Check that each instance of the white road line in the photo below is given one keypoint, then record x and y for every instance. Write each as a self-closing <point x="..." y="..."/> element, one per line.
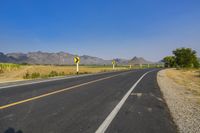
<point x="102" y="128"/>
<point x="59" y="91"/>
<point x="36" y="82"/>
<point x="49" y="80"/>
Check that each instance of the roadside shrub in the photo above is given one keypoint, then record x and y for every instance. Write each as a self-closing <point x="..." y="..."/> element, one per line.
<point x="71" y="73"/>
<point x="199" y="73"/>
<point x="53" y="73"/>
<point x="32" y="75"/>
<point x="104" y="70"/>
<point x="186" y="57"/>
<point x="61" y="74"/>
<point x="24" y="63"/>
<point x="169" y="61"/>
<point x="84" y="72"/>
<point x="44" y="76"/>
<point x="1" y="70"/>
<point x="27" y="75"/>
<point x="35" y="75"/>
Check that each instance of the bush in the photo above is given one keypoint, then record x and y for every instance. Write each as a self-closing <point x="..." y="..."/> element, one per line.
<point x="104" y="70"/>
<point x="183" y="58"/>
<point x="61" y="73"/>
<point x="44" y="76"/>
<point x="38" y="75"/>
<point x="1" y="71"/>
<point x="186" y="58"/>
<point x="35" y="75"/>
<point x="24" y="63"/>
<point x="53" y="74"/>
<point x="27" y="75"/>
<point x="169" y="61"/>
<point x="31" y="76"/>
<point x="71" y="73"/>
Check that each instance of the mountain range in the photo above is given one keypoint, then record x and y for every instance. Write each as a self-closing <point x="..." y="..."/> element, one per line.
<point x="62" y="58"/>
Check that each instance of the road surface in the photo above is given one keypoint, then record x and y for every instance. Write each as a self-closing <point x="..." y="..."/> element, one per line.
<point x="117" y="102"/>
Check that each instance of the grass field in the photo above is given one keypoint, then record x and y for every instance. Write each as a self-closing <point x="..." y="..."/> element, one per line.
<point x="189" y="78"/>
<point x="4" y="67"/>
<point x="13" y="72"/>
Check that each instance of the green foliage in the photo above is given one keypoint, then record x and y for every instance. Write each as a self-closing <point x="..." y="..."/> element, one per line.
<point x="183" y="58"/>
<point x="8" y="67"/>
<point x="53" y="73"/>
<point x="169" y="61"/>
<point x="199" y="73"/>
<point x="84" y="72"/>
<point x="61" y="74"/>
<point x="35" y="75"/>
<point x="38" y="75"/>
<point x="27" y="75"/>
<point x="24" y="63"/>
<point x="186" y="58"/>
<point x="32" y="75"/>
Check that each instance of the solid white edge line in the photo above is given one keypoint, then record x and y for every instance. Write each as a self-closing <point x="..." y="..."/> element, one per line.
<point x="102" y="128"/>
<point x="43" y="81"/>
<point x="57" y="79"/>
<point x="49" y="80"/>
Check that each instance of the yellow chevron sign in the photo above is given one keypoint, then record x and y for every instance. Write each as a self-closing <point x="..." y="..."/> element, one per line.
<point x="76" y="59"/>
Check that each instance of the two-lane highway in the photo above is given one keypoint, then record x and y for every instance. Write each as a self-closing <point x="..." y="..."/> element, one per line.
<point x="87" y="104"/>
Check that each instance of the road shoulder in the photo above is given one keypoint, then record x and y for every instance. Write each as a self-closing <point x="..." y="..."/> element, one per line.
<point x="145" y="111"/>
<point x="184" y="110"/>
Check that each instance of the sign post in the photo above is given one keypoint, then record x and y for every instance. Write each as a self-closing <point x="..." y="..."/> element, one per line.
<point x="113" y="63"/>
<point x="77" y="61"/>
<point x="140" y="65"/>
<point x="77" y="68"/>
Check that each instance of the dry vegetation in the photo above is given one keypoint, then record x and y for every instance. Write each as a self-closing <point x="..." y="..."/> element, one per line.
<point x="189" y="78"/>
<point x="180" y="89"/>
<point x="13" y="72"/>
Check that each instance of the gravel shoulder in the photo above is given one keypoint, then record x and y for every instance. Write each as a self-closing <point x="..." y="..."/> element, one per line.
<point x="184" y="110"/>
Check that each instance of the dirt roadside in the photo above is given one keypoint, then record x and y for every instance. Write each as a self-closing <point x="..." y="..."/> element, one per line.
<point x="184" y="109"/>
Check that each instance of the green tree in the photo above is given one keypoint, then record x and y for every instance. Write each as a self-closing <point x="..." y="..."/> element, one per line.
<point x="196" y="63"/>
<point x="169" y="61"/>
<point x="186" y="57"/>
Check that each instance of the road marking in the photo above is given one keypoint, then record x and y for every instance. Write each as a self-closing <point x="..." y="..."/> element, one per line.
<point x="36" y="82"/>
<point x="49" y="80"/>
<point x="58" y="91"/>
<point x="102" y="128"/>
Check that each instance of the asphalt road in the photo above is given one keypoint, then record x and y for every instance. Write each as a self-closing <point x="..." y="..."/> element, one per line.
<point x="118" y="102"/>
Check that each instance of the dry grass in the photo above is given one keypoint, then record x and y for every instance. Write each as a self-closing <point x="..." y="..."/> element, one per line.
<point x="190" y="79"/>
<point x="17" y="74"/>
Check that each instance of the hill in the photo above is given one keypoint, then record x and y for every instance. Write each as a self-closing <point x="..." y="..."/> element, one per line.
<point x="63" y="58"/>
<point x="139" y="60"/>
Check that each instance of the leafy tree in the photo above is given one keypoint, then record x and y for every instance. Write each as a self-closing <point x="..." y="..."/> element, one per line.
<point x="196" y="63"/>
<point x="169" y="61"/>
<point x="186" y="57"/>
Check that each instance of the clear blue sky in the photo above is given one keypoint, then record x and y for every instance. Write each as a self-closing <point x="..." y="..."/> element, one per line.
<point x="103" y="28"/>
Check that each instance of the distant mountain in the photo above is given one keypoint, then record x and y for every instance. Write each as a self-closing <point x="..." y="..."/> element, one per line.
<point x="121" y="61"/>
<point x="5" y="58"/>
<point x="63" y="58"/>
<point x="139" y="60"/>
<point x="60" y="58"/>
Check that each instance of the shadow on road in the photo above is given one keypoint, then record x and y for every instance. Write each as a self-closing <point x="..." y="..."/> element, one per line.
<point x="12" y="130"/>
